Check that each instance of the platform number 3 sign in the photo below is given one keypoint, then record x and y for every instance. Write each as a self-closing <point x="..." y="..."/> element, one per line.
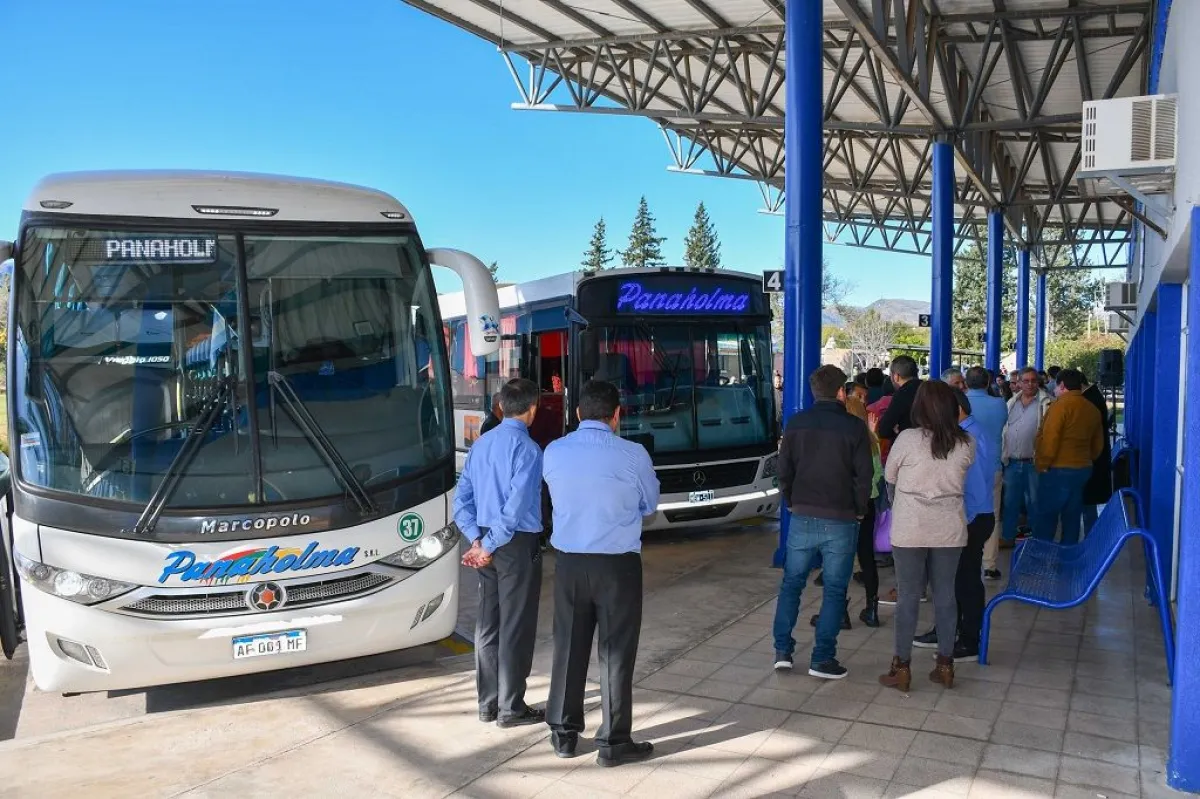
<point x="410" y="526"/>
<point x="773" y="281"/>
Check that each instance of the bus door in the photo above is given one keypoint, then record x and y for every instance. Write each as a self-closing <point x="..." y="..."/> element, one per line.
<point x="11" y="617"/>
<point x="547" y="366"/>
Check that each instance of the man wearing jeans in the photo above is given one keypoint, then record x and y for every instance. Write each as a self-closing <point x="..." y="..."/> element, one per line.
<point x="825" y="472"/>
<point x="1025" y="412"/>
<point x="1071" y="438"/>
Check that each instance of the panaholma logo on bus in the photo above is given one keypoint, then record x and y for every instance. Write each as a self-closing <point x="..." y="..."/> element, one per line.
<point x="243" y="564"/>
<point x="250" y="524"/>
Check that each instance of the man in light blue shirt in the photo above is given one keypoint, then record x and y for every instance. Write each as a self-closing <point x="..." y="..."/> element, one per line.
<point x="498" y="508"/>
<point x="992" y="415"/>
<point x="600" y="487"/>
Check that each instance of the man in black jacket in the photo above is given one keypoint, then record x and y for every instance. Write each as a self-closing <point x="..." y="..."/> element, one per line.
<point x="825" y="472"/>
<point x="898" y="417"/>
<point x="1099" y="487"/>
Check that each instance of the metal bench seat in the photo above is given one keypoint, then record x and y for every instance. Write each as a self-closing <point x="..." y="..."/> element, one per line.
<point x="1052" y="576"/>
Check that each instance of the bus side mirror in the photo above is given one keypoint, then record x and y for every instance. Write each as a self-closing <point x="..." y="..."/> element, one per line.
<point x="589" y="351"/>
<point x="6" y="251"/>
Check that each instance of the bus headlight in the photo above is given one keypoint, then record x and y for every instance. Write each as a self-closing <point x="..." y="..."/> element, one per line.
<point x="771" y="466"/>
<point x="425" y="551"/>
<point x="85" y="589"/>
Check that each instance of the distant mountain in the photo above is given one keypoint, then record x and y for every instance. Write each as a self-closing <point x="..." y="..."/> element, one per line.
<point x="905" y="311"/>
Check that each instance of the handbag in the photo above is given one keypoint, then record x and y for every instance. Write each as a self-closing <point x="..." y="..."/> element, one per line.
<point x="883" y="531"/>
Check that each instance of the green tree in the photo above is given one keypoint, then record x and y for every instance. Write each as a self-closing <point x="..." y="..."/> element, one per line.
<point x="702" y="248"/>
<point x="494" y="268"/>
<point x="645" y="245"/>
<point x="970" y="298"/>
<point x="598" y="255"/>
<point x="1071" y="297"/>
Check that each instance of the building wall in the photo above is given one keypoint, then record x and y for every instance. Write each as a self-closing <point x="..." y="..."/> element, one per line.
<point x="1177" y="75"/>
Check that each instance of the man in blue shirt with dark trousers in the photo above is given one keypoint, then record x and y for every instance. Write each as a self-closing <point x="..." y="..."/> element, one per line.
<point x="498" y="508"/>
<point x="601" y="486"/>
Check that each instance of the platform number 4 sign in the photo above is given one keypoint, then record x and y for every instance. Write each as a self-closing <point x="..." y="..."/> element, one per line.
<point x="773" y="281"/>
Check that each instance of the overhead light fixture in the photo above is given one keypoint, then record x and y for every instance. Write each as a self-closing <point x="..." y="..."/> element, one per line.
<point x="55" y="205"/>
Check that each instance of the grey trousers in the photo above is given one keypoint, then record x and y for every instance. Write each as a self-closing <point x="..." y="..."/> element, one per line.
<point x="916" y="567"/>
<point x="509" y="590"/>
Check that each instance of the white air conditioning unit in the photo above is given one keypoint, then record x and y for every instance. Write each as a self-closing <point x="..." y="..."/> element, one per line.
<point x="1129" y="140"/>
<point x="1117" y="323"/>
<point x="1121" y="296"/>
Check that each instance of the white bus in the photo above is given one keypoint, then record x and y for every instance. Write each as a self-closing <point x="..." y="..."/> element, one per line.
<point x="690" y="352"/>
<point x="231" y="429"/>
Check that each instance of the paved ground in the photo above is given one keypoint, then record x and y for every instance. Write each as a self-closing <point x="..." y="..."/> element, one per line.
<point x="1074" y="705"/>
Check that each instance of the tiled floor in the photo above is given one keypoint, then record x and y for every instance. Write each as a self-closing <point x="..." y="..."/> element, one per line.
<point x="1074" y="704"/>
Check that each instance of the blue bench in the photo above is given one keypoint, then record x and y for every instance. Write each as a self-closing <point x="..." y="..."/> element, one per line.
<point x="1052" y="576"/>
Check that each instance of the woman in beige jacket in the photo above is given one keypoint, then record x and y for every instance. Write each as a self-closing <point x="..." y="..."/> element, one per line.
<point x="927" y="467"/>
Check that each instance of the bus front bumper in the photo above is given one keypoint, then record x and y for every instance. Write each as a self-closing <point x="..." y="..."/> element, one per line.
<point x="137" y="652"/>
<point x="728" y="505"/>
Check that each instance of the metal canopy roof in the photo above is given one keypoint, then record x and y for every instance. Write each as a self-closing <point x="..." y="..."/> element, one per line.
<point x="1003" y="79"/>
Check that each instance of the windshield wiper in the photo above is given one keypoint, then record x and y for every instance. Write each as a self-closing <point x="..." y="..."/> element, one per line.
<point x="316" y="436"/>
<point x="179" y="464"/>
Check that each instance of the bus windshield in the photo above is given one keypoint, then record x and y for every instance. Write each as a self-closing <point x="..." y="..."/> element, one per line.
<point x="690" y="386"/>
<point x="291" y="367"/>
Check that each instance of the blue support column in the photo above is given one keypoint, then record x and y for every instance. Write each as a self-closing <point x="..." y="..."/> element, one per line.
<point x="943" y="258"/>
<point x="1039" y="333"/>
<point x="1023" y="309"/>
<point x="1183" y="759"/>
<point x="803" y="181"/>
<point x="1164" y="426"/>
<point x="995" y="289"/>
<point x="1148" y="381"/>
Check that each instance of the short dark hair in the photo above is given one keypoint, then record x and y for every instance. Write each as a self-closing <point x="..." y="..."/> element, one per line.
<point x="978" y="377"/>
<point x="904" y="367"/>
<point x="860" y="379"/>
<point x="826" y="382"/>
<point x="598" y="401"/>
<point x="518" y="395"/>
<point x="875" y="377"/>
<point x="1070" y="379"/>
<point x="1053" y="371"/>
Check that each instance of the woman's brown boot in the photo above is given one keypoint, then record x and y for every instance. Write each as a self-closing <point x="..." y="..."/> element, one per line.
<point x="943" y="672"/>
<point x="899" y="676"/>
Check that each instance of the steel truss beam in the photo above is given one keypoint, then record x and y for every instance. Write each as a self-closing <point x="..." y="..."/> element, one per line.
<point x="911" y="72"/>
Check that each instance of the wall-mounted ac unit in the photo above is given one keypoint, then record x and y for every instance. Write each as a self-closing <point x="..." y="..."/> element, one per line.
<point x="1129" y="140"/>
<point x="1121" y="297"/>
<point x="1117" y="323"/>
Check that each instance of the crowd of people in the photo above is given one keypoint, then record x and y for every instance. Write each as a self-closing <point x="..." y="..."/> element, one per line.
<point x="942" y="472"/>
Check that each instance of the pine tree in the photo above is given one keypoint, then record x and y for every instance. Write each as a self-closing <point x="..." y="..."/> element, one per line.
<point x="598" y="256"/>
<point x="494" y="268"/>
<point x="645" y="248"/>
<point x="702" y="248"/>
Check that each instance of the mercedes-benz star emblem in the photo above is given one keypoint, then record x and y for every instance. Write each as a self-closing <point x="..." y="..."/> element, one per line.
<point x="699" y="478"/>
<point x="266" y="597"/>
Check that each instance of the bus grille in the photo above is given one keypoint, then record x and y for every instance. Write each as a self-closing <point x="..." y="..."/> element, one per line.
<point x="226" y="603"/>
<point x="703" y="478"/>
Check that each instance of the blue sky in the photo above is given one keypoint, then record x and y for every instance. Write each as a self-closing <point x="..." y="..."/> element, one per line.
<point x="371" y="92"/>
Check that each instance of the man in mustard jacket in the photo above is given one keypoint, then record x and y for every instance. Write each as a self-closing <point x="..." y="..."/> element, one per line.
<point x="1070" y="439"/>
